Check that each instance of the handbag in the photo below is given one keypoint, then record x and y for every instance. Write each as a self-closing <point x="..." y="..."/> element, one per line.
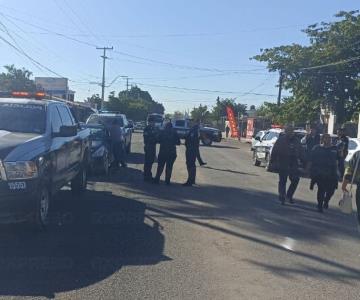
<point x="345" y="202"/>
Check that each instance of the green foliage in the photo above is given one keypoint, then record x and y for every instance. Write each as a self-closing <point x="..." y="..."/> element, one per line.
<point x="219" y="110"/>
<point x="135" y="103"/>
<point x="95" y="101"/>
<point x="16" y="80"/>
<point x="333" y="84"/>
<point x="201" y="113"/>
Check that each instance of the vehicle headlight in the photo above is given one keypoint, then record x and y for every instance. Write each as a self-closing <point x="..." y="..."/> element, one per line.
<point x="99" y="152"/>
<point x="21" y="170"/>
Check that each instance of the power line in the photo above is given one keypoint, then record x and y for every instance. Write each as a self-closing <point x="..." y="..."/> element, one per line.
<point x="332" y="64"/>
<point x="205" y="90"/>
<point x="37" y="43"/>
<point x="32" y="59"/>
<point x="173" y="65"/>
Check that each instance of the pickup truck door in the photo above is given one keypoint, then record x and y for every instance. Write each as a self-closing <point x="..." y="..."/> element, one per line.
<point x="58" y="149"/>
<point x="74" y="143"/>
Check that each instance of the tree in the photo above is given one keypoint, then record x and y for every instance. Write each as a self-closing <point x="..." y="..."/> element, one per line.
<point x="95" y="101"/>
<point x="136" y="104"/>
<point x="200" y="113"/>
<point x="16" y="80"/>
<point x="219" y="110"/>
<point x="323" y="73"/>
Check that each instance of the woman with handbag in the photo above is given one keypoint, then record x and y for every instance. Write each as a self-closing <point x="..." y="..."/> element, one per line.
<point x="351" y="176"/>
<point x="323" y="171"/>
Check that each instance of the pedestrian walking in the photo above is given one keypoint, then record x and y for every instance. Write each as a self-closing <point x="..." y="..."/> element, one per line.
<point x="118" y="144"/>
<point x="150" y="139"/>
<point x="168" y="140"/>
<point x="227" y="131"/>
<point x="323" y="171"/>
<point x="192" y="149"/>
<point x="352" y="173"/>
<point x="343" y="150"/>
<point x="286" y="156"/>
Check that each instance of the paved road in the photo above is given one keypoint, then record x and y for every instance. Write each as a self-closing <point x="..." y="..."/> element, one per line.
<point x="227" y="238"/>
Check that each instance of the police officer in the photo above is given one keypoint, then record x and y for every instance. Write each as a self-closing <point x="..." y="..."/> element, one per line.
<point x="285" y="157"/>
<point x="343" y="150"/>
<point x="168" y="139"/>
<point x="150" y="139"/>
<point x="192" y="150"/>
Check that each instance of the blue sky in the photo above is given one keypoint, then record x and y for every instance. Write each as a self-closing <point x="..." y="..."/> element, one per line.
<point x="162" y="45"/>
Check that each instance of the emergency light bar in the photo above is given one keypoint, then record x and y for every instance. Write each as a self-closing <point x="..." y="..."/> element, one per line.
<point x="22" y="94"/>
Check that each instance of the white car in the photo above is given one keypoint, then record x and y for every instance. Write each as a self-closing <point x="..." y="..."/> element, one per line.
<point x="262" y="148"/>
<point x="257" y="138"/>
<point x="354" y="146"/>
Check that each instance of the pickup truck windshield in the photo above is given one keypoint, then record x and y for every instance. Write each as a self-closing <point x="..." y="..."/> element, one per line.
<point x="105" y="120"/>
<point x="180" y="123"/>
<point x="26" y="118"/>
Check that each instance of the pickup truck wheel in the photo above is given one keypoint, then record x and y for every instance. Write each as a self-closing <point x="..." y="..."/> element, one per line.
<point x="79" y="183"/>
<point x="206" y="141"/>
<point x="42" y="209"/>
<point x="256" y="162"/>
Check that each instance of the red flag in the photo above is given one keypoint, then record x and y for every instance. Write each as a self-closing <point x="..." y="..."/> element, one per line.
<point x="232" y="121"/>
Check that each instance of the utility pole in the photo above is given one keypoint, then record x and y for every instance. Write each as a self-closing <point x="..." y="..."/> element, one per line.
<point x="104" y="57"/>
<point x="280" y="87"/>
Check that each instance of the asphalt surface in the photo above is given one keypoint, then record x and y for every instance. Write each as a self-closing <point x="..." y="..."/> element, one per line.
<point x="226" y="238"/>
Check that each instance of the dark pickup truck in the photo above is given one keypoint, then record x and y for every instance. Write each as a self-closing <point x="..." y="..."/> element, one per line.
<point x="42" y="148"/>
<point x="208" y="135"/>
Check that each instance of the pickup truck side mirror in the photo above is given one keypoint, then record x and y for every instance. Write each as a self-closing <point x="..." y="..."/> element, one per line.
<point x="66" y="131"/>
<point x="257" y="138"/>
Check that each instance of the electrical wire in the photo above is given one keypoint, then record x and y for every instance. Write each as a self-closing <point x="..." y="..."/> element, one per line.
<point x="204" y="90"/>
<point x="332" y="64"/>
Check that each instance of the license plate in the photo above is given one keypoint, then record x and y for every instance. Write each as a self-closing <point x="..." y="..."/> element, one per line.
<point x="261" y="155"/>
<point x="17" y="186"/>
<point x="181" y="132"/>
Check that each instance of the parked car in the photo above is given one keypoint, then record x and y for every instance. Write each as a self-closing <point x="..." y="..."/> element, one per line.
<point x="208" y="135"/>
<point x="139" y="125"/>
<point x="101" y="152"/>
<point x="42" y="148"/>
<point x="107" y="119"/>
<point x="158" y="119"/>
<point x="256" y="138"/>
<point x="262" y="150"/>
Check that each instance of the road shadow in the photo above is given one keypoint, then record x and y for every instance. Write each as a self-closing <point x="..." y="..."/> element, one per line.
<point x="135" y="158"/>
<point x="253" y="215"/>
<point x="220" y="146"/>
<point x="88" y="240"/>
<point x="229" y="171"/>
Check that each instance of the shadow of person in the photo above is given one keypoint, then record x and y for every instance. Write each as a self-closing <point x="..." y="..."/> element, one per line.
<point x="87" y="241"/>
<point x="135" y="158"/>
<point x="221" y="146"/>
<point x="229" y="171"/>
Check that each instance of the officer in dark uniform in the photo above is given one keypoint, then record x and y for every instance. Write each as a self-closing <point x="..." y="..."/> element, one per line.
<point x="150" y="139"/>
<point x="168" y="140"/>
<point x="192" y="150"/>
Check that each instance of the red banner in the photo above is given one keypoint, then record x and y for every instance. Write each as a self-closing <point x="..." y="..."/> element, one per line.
<point x="232" y="122"/>
<point x="250" y="128"/>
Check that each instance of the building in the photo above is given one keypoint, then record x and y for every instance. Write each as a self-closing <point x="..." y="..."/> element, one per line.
<point x="55" y="87"/>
